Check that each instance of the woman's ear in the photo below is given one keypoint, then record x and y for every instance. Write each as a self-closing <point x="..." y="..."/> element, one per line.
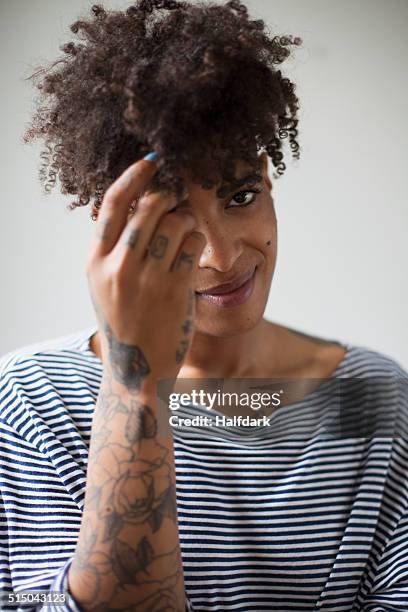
<point x="264" y="168"/>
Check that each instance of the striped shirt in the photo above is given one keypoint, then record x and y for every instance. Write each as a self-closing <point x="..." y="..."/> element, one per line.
<point x="269" y="518"/>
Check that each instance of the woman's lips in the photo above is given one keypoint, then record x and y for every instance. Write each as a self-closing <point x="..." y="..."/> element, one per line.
<point x="233" y="298"/>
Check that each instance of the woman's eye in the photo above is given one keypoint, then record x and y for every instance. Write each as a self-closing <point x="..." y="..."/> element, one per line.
<point x="245" y="198"/>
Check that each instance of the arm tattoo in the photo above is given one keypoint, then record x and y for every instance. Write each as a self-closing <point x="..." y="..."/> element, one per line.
<point x="130" y="504"/>
<point x="128" y="362"/>
<point x="187" y="328"/>
<point x="182" y="350"/>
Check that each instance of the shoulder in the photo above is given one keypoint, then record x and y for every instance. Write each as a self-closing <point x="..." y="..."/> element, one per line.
<point x="34" y="380"/>
<point x="51" y="347"/>
<point x="350" y="359"/>
<point x="27" y="370"/>
<point x="323" y="357"/>
<point x="362" y="361"/>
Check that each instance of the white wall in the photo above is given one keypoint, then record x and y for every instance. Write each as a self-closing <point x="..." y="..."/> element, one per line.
<point x="342" y="214"/>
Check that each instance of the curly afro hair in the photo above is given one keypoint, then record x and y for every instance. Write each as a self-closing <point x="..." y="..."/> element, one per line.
<point x="195" y="82"/>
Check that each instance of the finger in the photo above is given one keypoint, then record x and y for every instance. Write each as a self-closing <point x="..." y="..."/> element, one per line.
<point x="140" y="228"/>
<point x="113" y="213"/>
<point x="166" y="241"/>
<point x="187" y="258"/>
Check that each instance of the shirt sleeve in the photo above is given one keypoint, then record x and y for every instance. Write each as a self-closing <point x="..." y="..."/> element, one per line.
<point x="189" y="605"/>
<point x="61" y="584"/>
<point x="58" y="586"/>
<point x="388" y="590"/>
<point x="55" y="584"/>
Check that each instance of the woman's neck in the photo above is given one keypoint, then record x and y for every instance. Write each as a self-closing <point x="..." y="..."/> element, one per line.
<point x="232" y="357"/>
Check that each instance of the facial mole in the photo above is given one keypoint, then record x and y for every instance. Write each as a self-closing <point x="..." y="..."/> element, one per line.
<point x="269" y="243"/>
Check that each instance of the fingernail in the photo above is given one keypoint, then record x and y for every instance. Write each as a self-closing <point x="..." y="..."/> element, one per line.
<point x="151" y="156"/>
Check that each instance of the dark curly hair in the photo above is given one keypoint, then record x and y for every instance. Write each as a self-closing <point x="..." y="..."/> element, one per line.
<point x="194" y="82"/>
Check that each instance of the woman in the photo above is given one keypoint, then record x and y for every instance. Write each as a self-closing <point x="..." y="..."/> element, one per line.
<point x="108" y="503"/>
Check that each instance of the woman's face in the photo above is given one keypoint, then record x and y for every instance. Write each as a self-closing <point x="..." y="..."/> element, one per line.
<point x="240" y="229"/>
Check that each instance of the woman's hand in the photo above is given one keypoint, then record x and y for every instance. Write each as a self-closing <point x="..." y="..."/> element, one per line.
<point x="140" y="274"/>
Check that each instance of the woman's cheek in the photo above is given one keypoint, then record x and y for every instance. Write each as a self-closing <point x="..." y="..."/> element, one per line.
<point x="267" y="227"/>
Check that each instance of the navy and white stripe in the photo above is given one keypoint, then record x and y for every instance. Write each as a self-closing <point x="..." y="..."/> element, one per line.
<point x="269" y="518"/>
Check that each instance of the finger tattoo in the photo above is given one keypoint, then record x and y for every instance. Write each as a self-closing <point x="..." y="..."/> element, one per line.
<point x="187" y="258"/>
<point x="103" y="232"/>
<point x="159" y="246"/>
<point x="132" y="237"/>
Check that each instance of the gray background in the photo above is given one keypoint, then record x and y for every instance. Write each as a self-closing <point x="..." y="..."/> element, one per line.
<point x="342" y="216"/>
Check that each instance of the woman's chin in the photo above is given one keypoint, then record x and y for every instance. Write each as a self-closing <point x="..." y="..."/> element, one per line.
<point x="226" y="324"/>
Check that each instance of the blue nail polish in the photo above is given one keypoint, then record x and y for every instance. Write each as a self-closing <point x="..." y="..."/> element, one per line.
<point x="151" y="156"/>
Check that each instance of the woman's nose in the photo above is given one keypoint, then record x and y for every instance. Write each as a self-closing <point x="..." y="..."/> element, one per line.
<point x="221" y="249"/>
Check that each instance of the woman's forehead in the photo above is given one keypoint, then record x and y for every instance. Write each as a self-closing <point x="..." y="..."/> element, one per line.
<point x="244" y="173"/>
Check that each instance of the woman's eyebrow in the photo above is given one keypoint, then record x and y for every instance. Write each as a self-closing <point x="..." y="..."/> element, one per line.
<point x="224" y="190"/>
